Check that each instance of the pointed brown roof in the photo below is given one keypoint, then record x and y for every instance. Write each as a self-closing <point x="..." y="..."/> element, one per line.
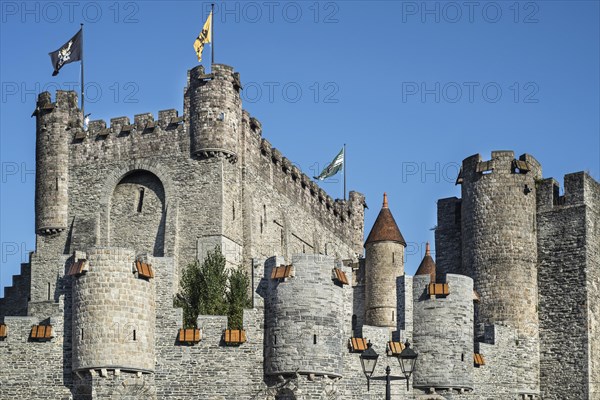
<point x="385" y="228"/>
<point x="427" y="266"/>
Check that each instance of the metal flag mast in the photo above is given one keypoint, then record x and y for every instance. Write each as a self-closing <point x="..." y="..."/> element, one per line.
<point x="344" y="163"/>
<point x="212" y="34"/>
<point x="82" y="91"/>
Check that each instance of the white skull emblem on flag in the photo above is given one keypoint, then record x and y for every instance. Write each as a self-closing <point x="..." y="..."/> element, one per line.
<point x="64" y="54"/>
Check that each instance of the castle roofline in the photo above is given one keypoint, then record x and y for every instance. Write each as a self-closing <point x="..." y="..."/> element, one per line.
<point x="427" y="266"/>
<point x="385" y="227"/>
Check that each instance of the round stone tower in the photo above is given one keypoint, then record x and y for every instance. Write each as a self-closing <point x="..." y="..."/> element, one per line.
<point x="384" y="262"/>
<point x="53" y="133"/>
<point x="214" y="109"/>
<point x="303" y="322"/>
<point x="443" y="335"/>
<point x="113" y="314"/>
<point x="499" y="239"/>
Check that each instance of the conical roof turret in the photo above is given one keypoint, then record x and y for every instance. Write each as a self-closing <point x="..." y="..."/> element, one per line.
<point x="385" y="227"/>
<point x="427" y="266"/>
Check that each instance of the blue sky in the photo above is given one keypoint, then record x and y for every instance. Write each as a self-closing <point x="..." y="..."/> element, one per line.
<point x="412" y="88"/>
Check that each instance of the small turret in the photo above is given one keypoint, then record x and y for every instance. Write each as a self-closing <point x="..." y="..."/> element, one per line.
<point x="384" y="262"/>
<point x="214" y="112"/>
<point x="427" y="266"/>
<point x="54" y="124"/>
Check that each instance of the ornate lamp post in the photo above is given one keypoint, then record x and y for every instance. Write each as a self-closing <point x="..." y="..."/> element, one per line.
<point x="407" y="360"/>
<point x="368" y="359"/>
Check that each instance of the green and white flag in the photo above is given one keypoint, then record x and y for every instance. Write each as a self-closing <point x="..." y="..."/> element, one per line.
<point x="333" y="168"/>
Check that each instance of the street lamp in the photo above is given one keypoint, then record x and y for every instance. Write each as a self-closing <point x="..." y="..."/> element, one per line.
<point x="368" y="359"/>
<point x="407" y="360"/>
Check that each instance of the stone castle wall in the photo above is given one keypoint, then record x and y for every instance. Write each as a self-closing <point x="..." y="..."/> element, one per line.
<point x="568" y="232"/>
<point x="35" y="370"/>
<point x="16" y="296"/>
<point x="505" y="352"/>
<point x="448" y="239"/>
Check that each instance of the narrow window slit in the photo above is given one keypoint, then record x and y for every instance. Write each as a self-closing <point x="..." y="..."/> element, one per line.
<point x="140" y="200"/>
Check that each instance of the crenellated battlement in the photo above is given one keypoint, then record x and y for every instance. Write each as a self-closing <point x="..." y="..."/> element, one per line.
<point x="66" y="99"/>
<point x="340" y="209"/>
<point x="63" y="111"/>
<point x="145" y="123"/>
<point x="579" y="189"/>
<point x="501" y="162"/>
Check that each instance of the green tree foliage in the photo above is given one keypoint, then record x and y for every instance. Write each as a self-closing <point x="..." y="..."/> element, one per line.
<point x="189" y="296"/>
<point x="213" y="284"/>
<point x="237" y="298"/>
<point x="207" y="289"/>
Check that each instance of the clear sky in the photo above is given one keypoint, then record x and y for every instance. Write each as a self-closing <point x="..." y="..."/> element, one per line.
<point x="412" y="88"/>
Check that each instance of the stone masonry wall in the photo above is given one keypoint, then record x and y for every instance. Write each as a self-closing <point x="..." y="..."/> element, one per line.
<point x="505" y="352"/>
<point x="592" y="189"/>
<point x="443" y="335"/>
<point x="404" y="289"/>
<point x="448" y="242"/>
<point x="16" y="296"/>
<point x="138" y="205"/>
<point x="34" y="370"/>
<point x="569" y="284"/>
<point x="113" y="314"/>
<point x="207" y="370"/>
<point x="303" y="324"/>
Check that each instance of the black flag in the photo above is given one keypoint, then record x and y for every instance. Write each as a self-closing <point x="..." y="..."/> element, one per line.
<point x="69" y="52"/>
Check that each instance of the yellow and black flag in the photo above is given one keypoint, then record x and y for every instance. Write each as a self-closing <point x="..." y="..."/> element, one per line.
<point x="204" y="37"/>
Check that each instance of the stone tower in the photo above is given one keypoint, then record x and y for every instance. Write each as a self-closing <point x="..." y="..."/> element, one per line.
<point x="304" y="328"/>
<point x="499" y="237"/>
<point x="384" y="262"/>
<point x="443" y="336"/>
<point x="113" y="320"/>
<point x="53" y="131"/>
<point x="214" y="106"/>
<point x="499" y="242"/>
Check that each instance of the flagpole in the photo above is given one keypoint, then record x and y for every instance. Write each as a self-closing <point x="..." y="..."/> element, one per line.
<point x="212" y="34"/>
<point x="82" y="92"/>
<point x="344" y="171"/>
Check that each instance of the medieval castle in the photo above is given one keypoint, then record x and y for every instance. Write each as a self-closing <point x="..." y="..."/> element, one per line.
<point x="510" y="309"/>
